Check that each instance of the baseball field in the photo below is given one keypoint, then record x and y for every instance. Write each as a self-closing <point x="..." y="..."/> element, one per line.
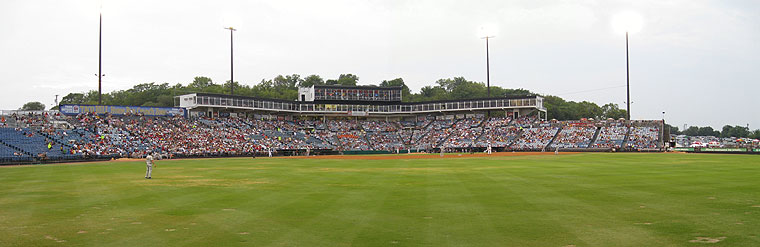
<point x="585" y="199"/>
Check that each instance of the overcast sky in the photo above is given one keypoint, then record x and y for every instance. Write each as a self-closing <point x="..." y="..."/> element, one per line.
<point x="696" y="60"/>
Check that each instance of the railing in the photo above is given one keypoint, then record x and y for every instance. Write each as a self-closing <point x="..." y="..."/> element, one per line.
<point x="299" y="107"/>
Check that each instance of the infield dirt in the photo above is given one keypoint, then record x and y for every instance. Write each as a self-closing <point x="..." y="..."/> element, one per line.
<point x="422" y="156"/>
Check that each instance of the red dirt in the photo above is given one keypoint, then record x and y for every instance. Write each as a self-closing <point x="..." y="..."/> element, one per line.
<point x="353" y="157"/>
<point x="421" y="156"/>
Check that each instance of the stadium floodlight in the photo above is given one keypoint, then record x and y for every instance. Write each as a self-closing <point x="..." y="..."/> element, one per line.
<point x="486" y="32"/>
<point x="230" y="23"/>
<point x="232" y="67"/>
<point x="100" y="57"/>
<point x="628" y="22"/>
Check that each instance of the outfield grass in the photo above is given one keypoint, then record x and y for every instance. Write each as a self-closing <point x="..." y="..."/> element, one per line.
<point x="591" y="199"/>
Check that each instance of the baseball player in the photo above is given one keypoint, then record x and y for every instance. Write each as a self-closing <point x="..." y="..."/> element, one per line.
<point x="149" y="162"/>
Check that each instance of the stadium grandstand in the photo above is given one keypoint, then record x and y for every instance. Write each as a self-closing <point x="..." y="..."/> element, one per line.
<point x="323" y="120"/>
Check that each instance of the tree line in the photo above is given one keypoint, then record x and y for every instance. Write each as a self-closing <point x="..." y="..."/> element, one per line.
<point x="286" y="87"/>
<point x="727" y="131"/>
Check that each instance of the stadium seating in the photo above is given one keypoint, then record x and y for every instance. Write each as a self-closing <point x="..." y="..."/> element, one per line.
<point x="89" y="135"/>
<point x="464" y="133"/>
<point x="574" y="137"/>
<point x="643" y="138"/>
<point x="611" y="137"/>
<point x="33" y="144"/>
<point x="535" y="138"/>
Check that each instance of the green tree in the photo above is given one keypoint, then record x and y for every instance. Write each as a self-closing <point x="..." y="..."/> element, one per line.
<point x="200" y="83"/>
<point x="557" y="108"/>
<point x="585" y="109"/>
<point x="91" y="98"/>
<point x="707" y="131"/>
<point x="288" y="81"/>
<point x="755" y="134"/>
<point x="735" y="131"/>
<point x="461" y="88"/>
<point x="468" y="89"/>
<point x="691" y="131"/>
<point x="33" y="106"/>
<point x="228" y="86"/>
<point x="311" y="80"/>
<point x="498" y="91"/>
<point x="265" y="89"/>
<point x="348" y="80"/>
<point x="673" y="129"/>
<point x="611" y="110"/>
<point x="450" y="84"/>
<point x="73" y="98"/>
<point x="428" y="93"/>
<point x="165" y="100"/>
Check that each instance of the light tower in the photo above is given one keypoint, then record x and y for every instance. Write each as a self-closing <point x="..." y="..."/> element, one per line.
<point x="487" y="32"/>
<point x="628" y="22"/>
<point x="232" y="67"/>
<point x="100" y="58"/>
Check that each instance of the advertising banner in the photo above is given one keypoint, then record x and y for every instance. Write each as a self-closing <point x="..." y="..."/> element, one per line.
<point x="684" y="149"/>
<point x="724" y="150"/>
<point x="122" y="110"/>
<point x="357" y="113"/>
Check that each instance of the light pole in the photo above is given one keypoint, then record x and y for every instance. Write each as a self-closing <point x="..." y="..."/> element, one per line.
<point x="488" y="68"/>
<point x="100" y="59"/>
<point x="487" y="32"/>
<point x="627" y="80"/>
<point x="232" y="70"/>
<point x="628" y="22"/>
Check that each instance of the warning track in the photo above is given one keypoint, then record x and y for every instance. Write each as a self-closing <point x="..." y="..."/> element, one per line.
<point x="422" y="156"/>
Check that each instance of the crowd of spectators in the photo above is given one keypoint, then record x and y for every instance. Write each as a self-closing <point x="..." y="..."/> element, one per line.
<point x="133" y="135"/>
<point x="497" y="122"/>
<point x="497" y="136"/>
<point x="643" y="138"/>
<point x="343" y="125"/>
<point x="611" y="137"/>
<point x="496" y="132"/>
<point x="574" y="136"/>
<point x="463" y="133"/>
<point x="535" y="138"/>
<point x="435" y="133"/>
<point x="375" y="126"/>
<point x="386" y="141"/>
<point x="522" y="121"/>
<point x="31" y="120"/>
<point x="353" y="140"/>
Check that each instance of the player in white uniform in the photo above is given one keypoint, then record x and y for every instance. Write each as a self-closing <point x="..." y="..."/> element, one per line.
<point x="149" y="162"/>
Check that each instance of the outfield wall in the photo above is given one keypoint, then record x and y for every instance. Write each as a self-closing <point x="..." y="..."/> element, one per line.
<point x="719" y="150"/>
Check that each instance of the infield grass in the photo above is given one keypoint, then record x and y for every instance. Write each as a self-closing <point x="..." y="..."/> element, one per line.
<point x="590" y="199"/>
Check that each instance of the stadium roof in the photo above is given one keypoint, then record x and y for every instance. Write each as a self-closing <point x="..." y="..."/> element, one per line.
<point x="367" y="87"/>
<point x="362" y="102"/>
